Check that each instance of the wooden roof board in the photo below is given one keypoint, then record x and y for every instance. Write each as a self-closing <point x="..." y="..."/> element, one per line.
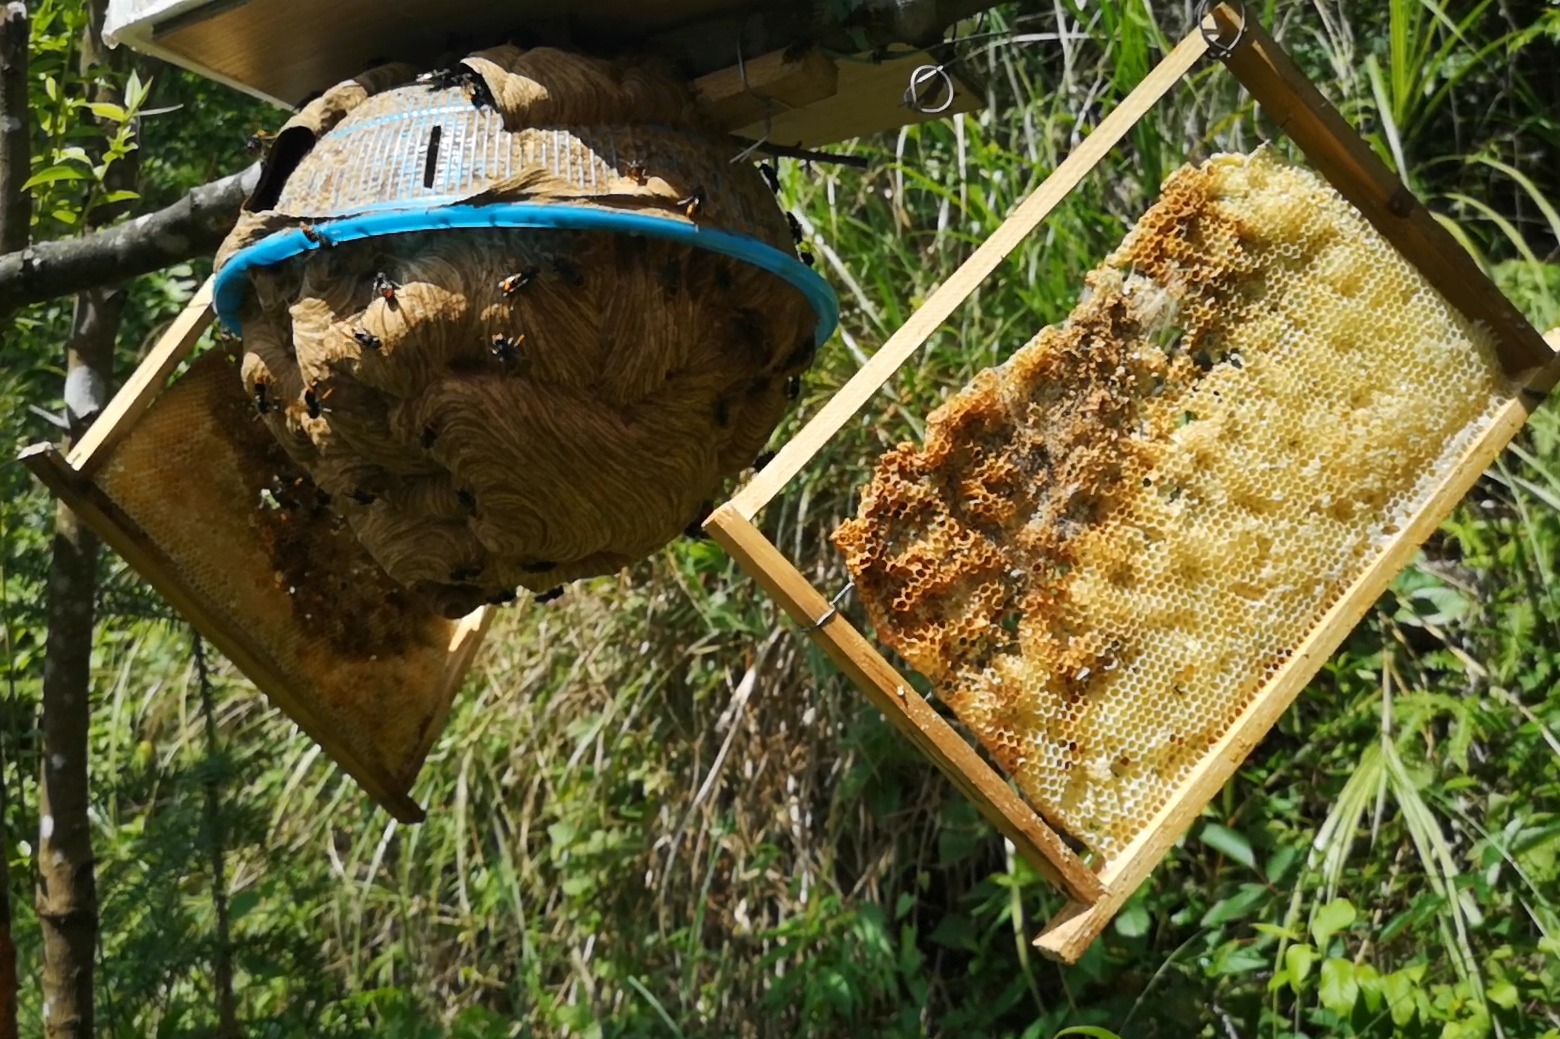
<point x="284" y="51"/>
<point x="288" y="49"/>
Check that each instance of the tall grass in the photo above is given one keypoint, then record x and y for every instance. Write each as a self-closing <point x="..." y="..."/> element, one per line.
<point x="658" y="811"/>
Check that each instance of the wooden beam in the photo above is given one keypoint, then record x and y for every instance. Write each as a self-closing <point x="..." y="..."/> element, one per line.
<point x="468" y="636"/>
<point x="1040" y="846"/>
<point x="143" y="386"/>
<point x="124" y="536"/>
<point x="771" y="83"/>
<point x="1070" y="932"/>
<point x="1347" y="161"/>
<point x="869" y="100"/>
<point x="800" y="449"/>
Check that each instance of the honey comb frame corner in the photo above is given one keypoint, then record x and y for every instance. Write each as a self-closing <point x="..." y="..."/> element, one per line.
<point x="1095" y="894"/>
<point x="74" y="480"/>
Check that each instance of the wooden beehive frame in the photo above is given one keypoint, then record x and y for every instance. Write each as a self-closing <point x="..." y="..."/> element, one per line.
<point x="1337" y="152"/>
<point x="71" y="479"/>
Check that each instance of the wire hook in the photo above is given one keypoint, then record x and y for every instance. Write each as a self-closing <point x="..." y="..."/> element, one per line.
<point x="923" y="75"/>
<point x="834" y="607"/>
<point x="767" y="102"/>
<point x="1216" y="46"/>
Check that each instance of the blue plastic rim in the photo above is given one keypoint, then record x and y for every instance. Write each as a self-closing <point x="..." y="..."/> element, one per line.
<point x="232" y="284"/>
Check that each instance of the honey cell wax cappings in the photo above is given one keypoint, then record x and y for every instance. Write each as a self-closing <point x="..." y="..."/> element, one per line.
<point x="1108" y="545"/>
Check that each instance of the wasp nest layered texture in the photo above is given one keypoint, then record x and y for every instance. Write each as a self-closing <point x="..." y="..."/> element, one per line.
<point x="492" y="408"/>
<point x="1108" y="545"/>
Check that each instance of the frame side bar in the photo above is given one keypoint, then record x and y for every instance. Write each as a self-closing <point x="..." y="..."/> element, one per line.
<point x="147" y="381"/>
<point x="124" y="536"/>
<point x="1267" y="72"/>
<point x="1077" y="925"/>
<point x="1040" y="846"/>
<point x="881" y="366"/>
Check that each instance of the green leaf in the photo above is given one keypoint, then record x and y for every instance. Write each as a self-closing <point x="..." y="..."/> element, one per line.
<point x="1503" y="994"/>
<point x="1331" y="918"/>
<point x="118" y="196"/>
<point x="1399" y="989"/>
<point x="53" y="174"/>
<point x="1236" y="906"/>
<point x="1298" y="960"/>
<point x="243" y="904"/>
<point x="1275" y="931"/>
<point x="109" y="111"/>
<point x="1280" y="863"/>
<point x="956" y="932"/>
<point x="1133" y="921"/>
<point x="1235" y="958"/>
<point x="1339" y="989"/>
<point x="1369" y="981"/>
<point x="1087" y="1032"/>
<point x="1230" y="844"/>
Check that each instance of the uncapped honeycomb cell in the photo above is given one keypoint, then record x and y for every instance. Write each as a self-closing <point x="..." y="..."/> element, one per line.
<point x="1108" y="545"/>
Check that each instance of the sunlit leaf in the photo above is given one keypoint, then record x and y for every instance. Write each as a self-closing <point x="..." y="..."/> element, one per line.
<point x="1338" y="989"/>
<point x="1331" y="918"/>
<point x="52" y="175"/>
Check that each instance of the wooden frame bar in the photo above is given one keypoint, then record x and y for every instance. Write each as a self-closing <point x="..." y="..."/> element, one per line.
<point x="71" y="481"/>
<point x="145" y="383"/>
<point x="881" y="366"/>
<point x="1339" y="154"/>
<point x="1071" y="931"/>
<point x="905" y="708"/>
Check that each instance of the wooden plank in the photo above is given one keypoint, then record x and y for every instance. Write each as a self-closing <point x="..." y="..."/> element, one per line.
<point x="124" y="536"/>
<point x="929" y="318"/>
<point x="257" y="45"/>
<point x="143" y="386"/>
<point x="1070" y="932"/>
<point x="869" y="100"/>
<point x="771" y="83"/>
<point x="904" y="707"/>
<point x="1343" y="157"/>
<point x="465" y="640"/>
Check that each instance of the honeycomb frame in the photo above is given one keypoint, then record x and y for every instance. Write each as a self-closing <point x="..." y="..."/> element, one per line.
<point x="312" y="696"/>
<point x="1097" y="890"/>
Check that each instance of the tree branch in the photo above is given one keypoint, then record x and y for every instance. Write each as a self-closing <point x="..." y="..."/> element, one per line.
<point x="193" y="226"/>
<point x="15" y="129"/>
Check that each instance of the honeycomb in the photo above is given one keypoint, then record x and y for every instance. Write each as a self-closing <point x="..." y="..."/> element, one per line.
<point x="1108" y="545"/>
<point x="253" y="538"/>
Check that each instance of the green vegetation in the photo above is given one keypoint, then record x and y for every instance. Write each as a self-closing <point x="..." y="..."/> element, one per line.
<point x="658" y="811"/>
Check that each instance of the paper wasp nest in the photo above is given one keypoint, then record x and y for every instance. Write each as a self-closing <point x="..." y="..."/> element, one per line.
<point x="1109" y="544"/>
<point x="493" y="407"/>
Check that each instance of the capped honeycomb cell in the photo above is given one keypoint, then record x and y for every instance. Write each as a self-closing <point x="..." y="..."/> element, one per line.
<point x="365" y="667"/>
<point x="1107" y="546"/>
